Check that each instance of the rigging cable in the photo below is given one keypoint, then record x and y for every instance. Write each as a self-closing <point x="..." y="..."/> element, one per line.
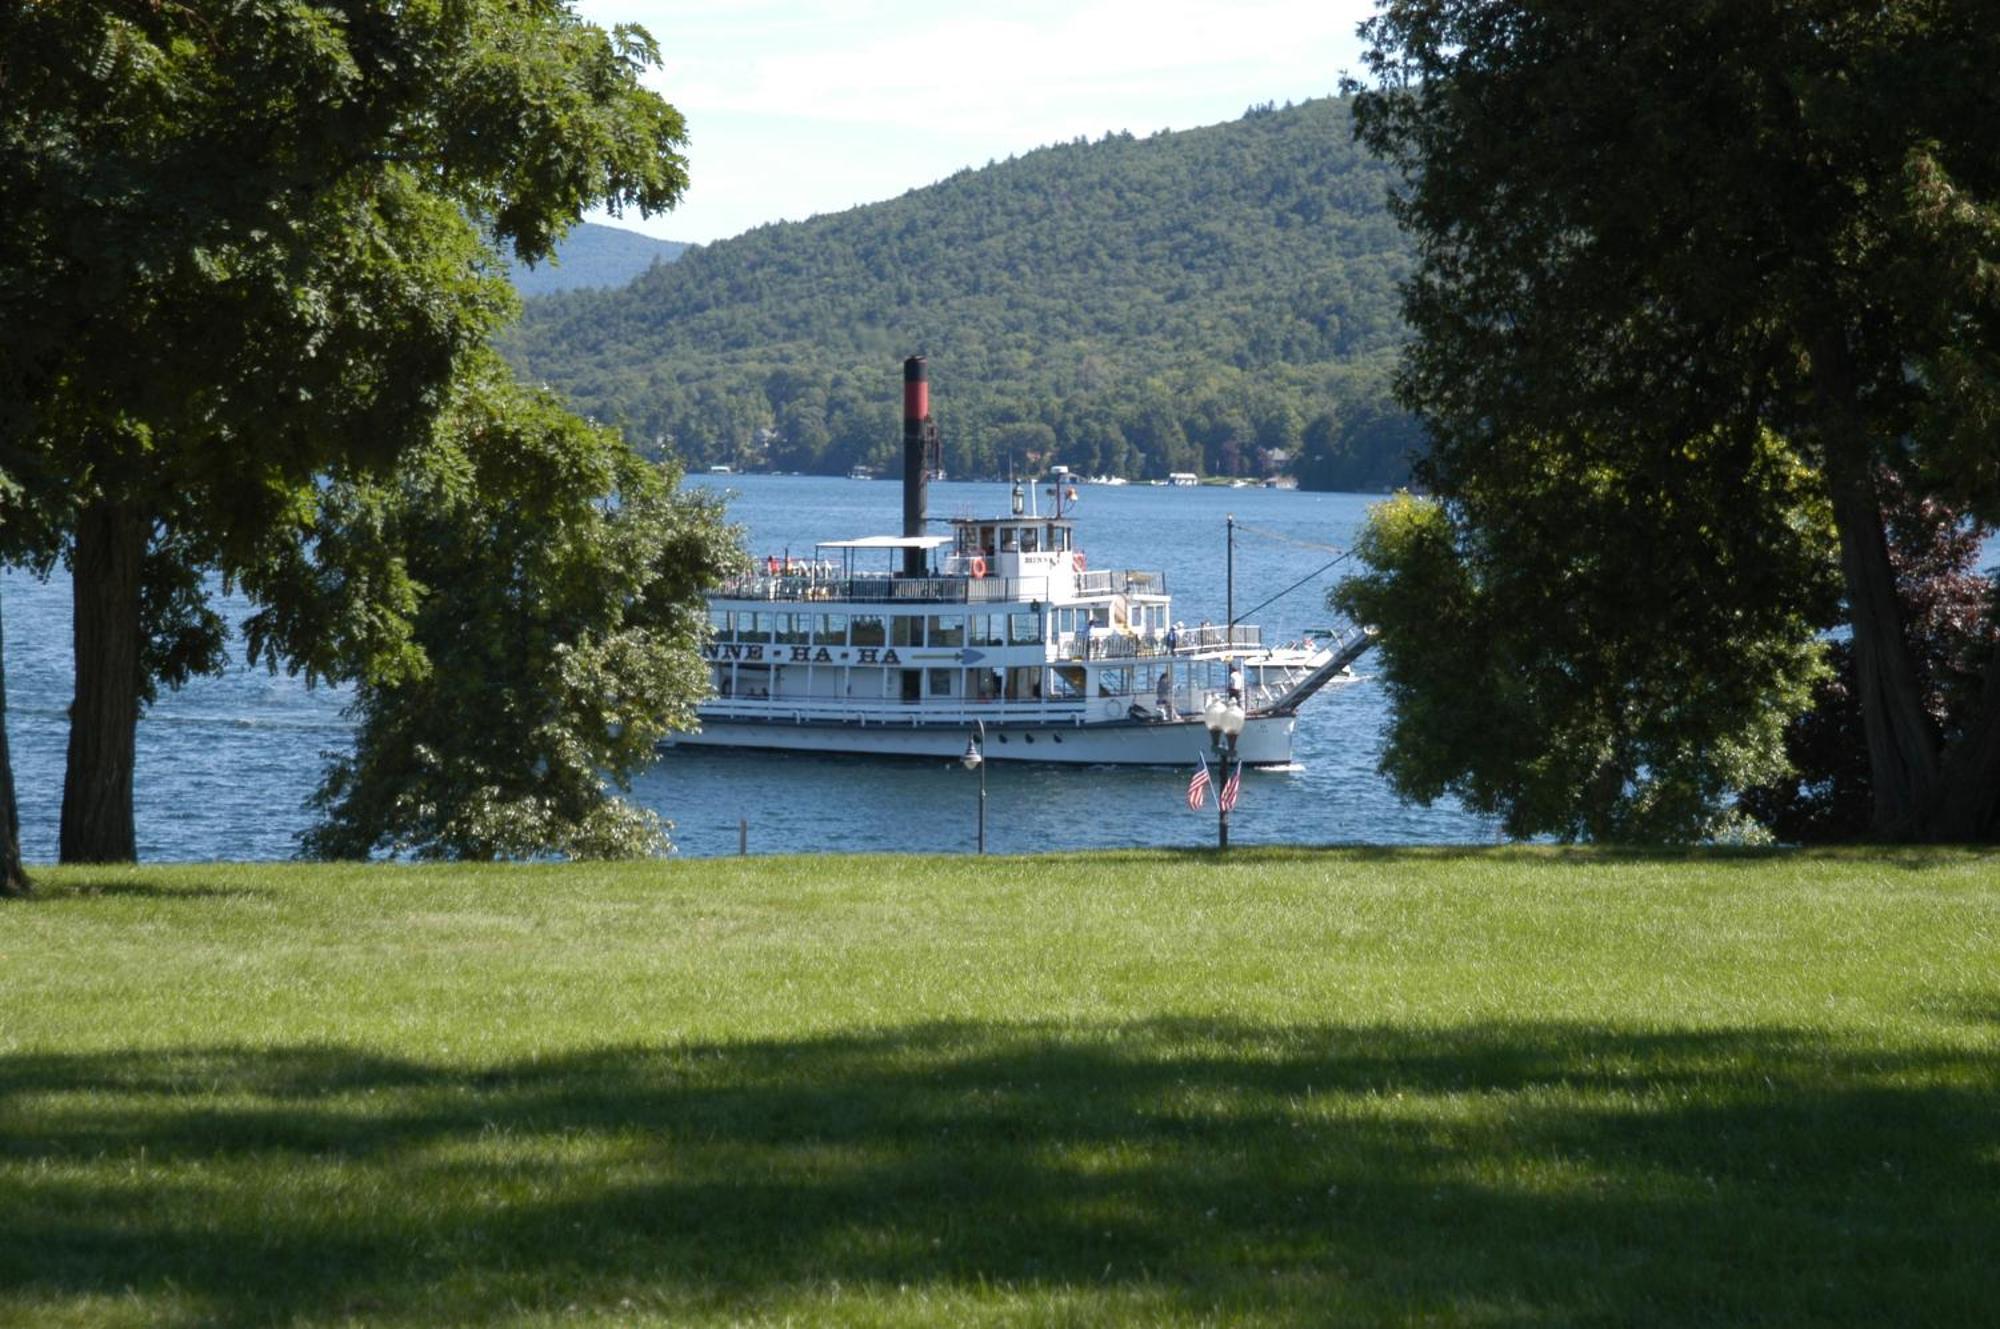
<point x="1289" y="539"/>
<point x="1344" y="554"/>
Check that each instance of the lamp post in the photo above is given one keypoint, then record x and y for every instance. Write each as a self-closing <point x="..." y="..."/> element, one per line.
<point x="1224" y="718"/>
<point x="975" y="760"/>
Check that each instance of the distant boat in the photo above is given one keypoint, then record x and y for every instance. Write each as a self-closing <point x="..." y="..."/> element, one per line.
<point x="861" y="473"/>
<point x="1183" y="479"/>
<point x="1107" y="480"/>
<point x="720" y="470"/>
<point x="997" y="641"/>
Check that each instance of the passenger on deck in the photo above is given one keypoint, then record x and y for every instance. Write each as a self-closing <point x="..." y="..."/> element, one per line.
<point x="1163" y="695"/>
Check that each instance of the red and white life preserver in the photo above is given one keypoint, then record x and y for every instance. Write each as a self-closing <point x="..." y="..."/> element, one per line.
<point x="977" y="567"/>
<point x="1076" y="560"/>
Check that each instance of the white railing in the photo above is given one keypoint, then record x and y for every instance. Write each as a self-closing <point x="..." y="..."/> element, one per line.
<point x="889" y="712"/>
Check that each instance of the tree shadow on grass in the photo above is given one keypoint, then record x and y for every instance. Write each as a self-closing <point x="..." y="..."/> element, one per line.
<point x="1903" y="858"/>
<point x="115" y="888"/>
<point x="1519" y="1173"/>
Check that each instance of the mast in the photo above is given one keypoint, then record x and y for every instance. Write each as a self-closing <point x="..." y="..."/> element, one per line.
<point x="1229" y="579"/>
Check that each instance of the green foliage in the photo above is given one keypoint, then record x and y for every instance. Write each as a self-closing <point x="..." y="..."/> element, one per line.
<point x="1553" y="639"/>
<point x="1188" y="301"/>
<point x="249" y="245"/>
<point x="1645" y="228"/>
<point x="258" y="224"/>
<point x="558" y="630"/>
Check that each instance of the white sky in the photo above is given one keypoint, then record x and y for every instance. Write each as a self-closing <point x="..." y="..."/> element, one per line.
<point x="796" y="108"/>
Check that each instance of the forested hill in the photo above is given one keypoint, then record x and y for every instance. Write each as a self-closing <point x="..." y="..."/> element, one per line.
<point x="1201" y="301"/>
<point x="593" y="255"/>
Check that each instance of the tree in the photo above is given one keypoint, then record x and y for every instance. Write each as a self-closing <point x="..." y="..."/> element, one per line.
<point x="1688" y="223"/>
<point x="247" y="243"/>
<point x="559" y="638"/>
<point x="13" y="876"/>
<point x="1935" y="552"/>
<point x="1550" y="641"/>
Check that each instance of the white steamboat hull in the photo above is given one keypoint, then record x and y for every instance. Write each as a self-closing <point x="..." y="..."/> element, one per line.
<point x="1266" y="740"/>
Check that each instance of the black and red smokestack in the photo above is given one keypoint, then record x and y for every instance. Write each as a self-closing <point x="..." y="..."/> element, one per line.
<point x="916" y="469"/>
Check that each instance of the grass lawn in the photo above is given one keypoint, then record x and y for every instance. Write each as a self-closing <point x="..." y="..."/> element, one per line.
<point x="1486" y="1087"/>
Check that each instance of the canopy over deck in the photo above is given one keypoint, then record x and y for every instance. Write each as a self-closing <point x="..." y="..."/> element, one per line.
<point x="888" y="542"/>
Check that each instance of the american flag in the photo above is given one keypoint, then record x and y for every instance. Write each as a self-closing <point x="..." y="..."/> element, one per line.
<point x="1198" y="786"/>
<point x="1226" y="800"/>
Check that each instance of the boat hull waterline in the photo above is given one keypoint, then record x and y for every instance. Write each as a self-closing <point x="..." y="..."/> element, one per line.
<point x="1265" y="741"/>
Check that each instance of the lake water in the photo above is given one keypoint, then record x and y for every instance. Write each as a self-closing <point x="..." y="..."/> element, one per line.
<point x="225" y="764"/>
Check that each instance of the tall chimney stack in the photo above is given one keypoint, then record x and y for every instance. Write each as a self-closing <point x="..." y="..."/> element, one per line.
<point x="916" y="414"/>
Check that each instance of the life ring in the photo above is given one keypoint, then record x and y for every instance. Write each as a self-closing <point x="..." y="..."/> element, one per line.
<point x="977" y="566"/>
<point x="1076" y="560"/>
<point x="1112" y="710"/>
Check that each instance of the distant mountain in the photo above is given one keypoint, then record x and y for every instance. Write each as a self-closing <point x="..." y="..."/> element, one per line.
<point x="1222" y="300"/>
<point x="595" y="256"/>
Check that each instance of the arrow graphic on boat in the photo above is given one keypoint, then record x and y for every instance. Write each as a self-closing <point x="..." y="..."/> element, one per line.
<point x="970" y="656"/>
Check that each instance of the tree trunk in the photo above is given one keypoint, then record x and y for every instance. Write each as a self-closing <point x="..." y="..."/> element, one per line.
<point x="1902" y="739"/>
<point x="13" y="877"/>
<point x="104" y="718"/>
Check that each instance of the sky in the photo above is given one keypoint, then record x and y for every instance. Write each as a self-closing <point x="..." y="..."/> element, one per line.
<point x="795" y="108"/>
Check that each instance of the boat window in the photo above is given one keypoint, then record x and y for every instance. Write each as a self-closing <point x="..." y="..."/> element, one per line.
<point x="906" y="630"/>
<point x="794" y="628"/>
<point x="1114" y="682"/>
<point x="1068" y="680"/>
<point x="1031" y="540"/>
<point x="986" y="540"/>
<point x="1058" y="538"/>
<point x="941" y="681"/>
<point x="831" y="630"/>
<point x="1024" y="629"/>
<point x="1010" y="540"/>
<point x="986" y="629"/>
<point x="948" y="630"/>
<point x="718" y="622"/>
<point x="868" y="630"/>
<point x="754" y="627"/>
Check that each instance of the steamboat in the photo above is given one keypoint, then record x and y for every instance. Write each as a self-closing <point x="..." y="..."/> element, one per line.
<point x="903" y="645"/>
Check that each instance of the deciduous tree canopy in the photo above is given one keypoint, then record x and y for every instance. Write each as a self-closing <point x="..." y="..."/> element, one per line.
<point x="1661" y="249"/>
<point x="246" y="245"/>
<point x="566" y="649"/>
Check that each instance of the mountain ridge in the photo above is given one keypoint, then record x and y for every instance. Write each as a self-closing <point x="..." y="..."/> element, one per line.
<point x="1220" y="299"/>
<point x="593" y="256"/>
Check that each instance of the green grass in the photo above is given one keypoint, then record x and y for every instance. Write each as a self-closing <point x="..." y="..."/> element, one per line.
<point x="1506" y="1087"/>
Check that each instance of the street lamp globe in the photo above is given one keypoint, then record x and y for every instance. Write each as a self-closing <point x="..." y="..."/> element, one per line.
<point x="1232" y="718"/>
<point x="972" y="756"/>
<point x="1211" y="714"/>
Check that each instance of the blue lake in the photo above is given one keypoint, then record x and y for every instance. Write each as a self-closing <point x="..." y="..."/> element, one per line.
<point x="225" y="764"/>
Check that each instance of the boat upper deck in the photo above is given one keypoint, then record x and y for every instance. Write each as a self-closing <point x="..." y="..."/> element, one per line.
<point x="819" y="580"/>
